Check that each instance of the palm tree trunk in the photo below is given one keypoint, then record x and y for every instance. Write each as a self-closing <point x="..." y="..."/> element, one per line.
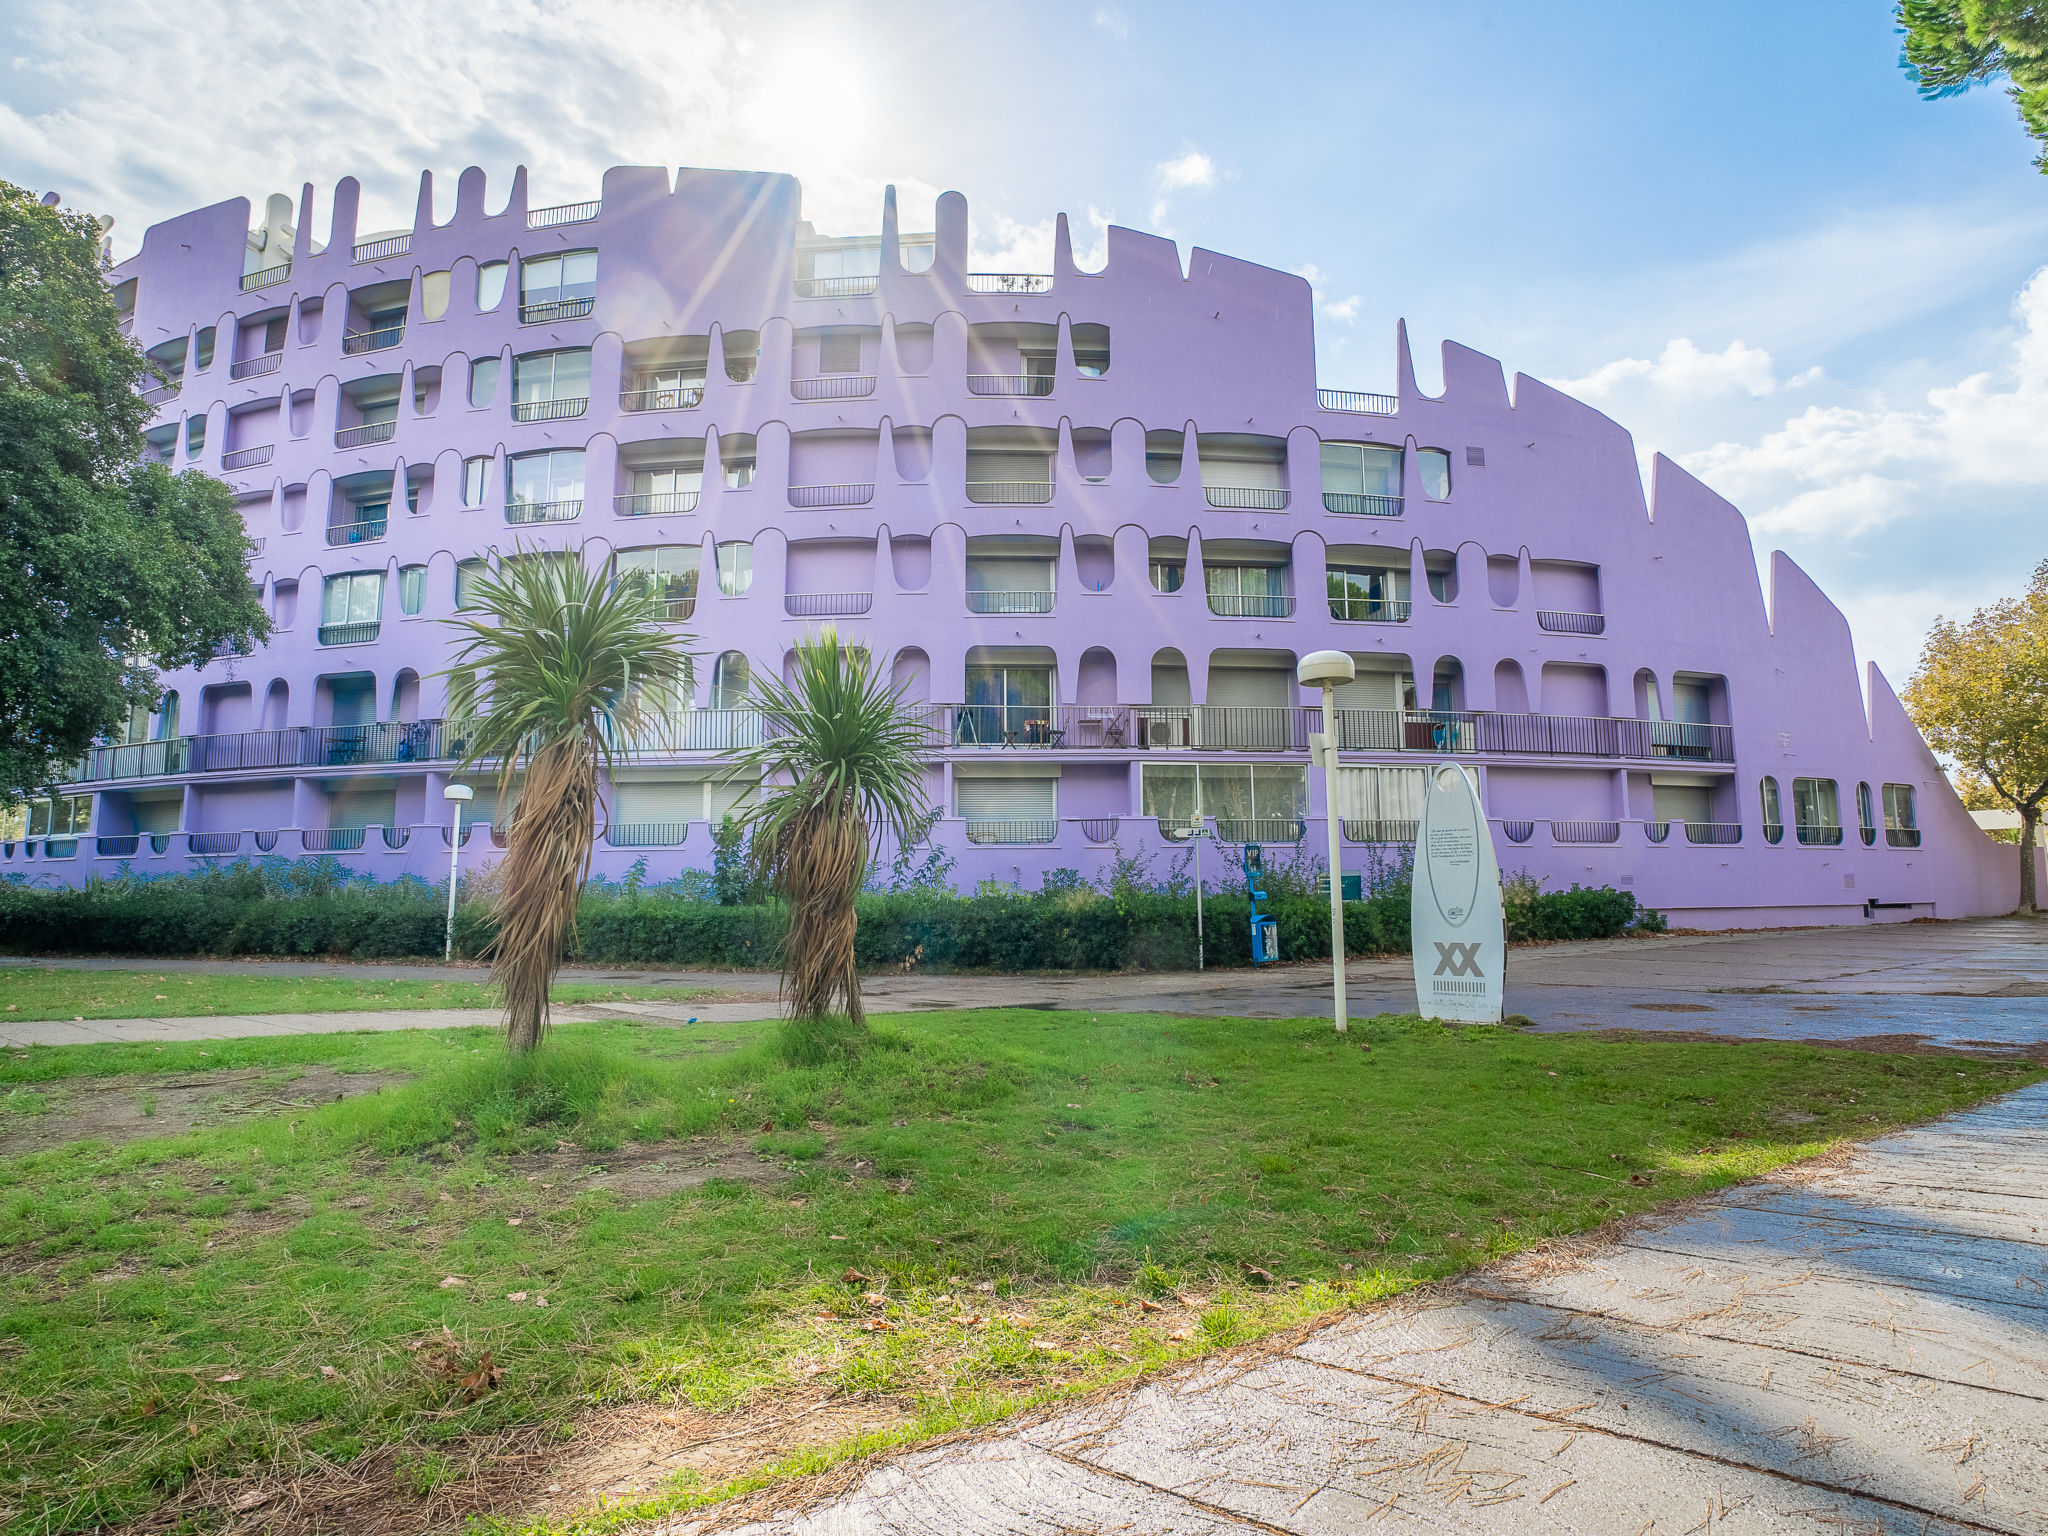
<point x="826" y="866"/>
<point x="546" y="863"/>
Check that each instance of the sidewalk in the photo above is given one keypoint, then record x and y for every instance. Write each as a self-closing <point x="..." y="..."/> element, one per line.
<point x="1861" y="1349"/>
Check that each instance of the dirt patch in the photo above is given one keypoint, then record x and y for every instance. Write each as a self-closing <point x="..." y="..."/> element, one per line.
<point x="1673" y="1007"/>
<point x="138" y="1105"/>
<point x="637" y="1171"/>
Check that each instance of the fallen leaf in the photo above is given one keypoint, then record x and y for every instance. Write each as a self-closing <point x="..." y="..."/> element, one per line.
<point x="853" y="1276"/>
<point x="253" y="1499"/>
<point x="1073" y="1106"/>
<point x="480" y="1380"/>
<point x="1181" y="1335"/>
<point x="1043" y="1344"/>
<point x="836" y="1237"/>
<point x="1640" y="1179"/>
<point x="1253" y="1272"/>
<point x="973" y="1320"/>
<point x="875" y="1299"/>
<point x="942" y="1301"/>
<point x="230" y="1376"/>
<point x="452" y="1282"/>
<point x="767" y="1126"/>
<point x="329" y="1371"/>
<point x="446" y="1196"/>
<point x="816" y="1370"/>
<point x="985" y="1285"/>
<point x="1192" y="1301"/>
<point x="1146" y="1305"/>
<point x="541" y="1300"/>
<point x="827" y="1317"/>
<point x="515" y="1295"/>
<point x="515" y="1221"/>
<point x="878" y="1325"/>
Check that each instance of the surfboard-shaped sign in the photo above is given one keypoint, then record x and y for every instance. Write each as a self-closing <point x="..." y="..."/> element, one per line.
<point x="1460" y="936"/>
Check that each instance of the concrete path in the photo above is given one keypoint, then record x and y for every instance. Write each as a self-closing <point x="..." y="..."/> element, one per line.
<point x="1976" y="985"/>
<point x="1860" y="1349"/>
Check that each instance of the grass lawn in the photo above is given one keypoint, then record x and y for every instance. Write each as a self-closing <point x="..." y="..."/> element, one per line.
<point x="961" y="1219"/>
<point x="56" y="992"/>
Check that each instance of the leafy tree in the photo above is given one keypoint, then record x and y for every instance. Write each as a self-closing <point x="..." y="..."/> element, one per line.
<point x="1953" y="44"/>
<point x="1980" y="696"/>
<point x="840" y="759"/>
<point x="109" y="568"/>
<point x="558" y="670"/>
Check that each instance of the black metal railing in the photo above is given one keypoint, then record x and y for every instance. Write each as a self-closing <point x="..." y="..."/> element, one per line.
<point x="544" y="511"/>
<point x="1357" y="402"/>
<point x="1370" y="610"/>
<point x="361" y="531"/>
<point x="1902" y="837"/>
<point x="646" y="834"/>
<point x="1010" y="385"/>
<point x="1815" y="834"/>
<point x="1356" y="504"/>
<point x="1557" y="622"/>
<point x="555" y="309"/>
<point x="1657" y="831"/>
<point x="248" y="458"/>
<point x="1009" y="493"/>
<point x="1263" y="605"/>
<point x="1245" y="498"/>
<point x="157" y="394"/>
<point x="1009" y="282"/>
<point x="674" y="398"/>
<point x="384" y="336"/>
<point x="834" y="386"/>
<point x="368" y="432"/>
<point x="377" y="250"/>
<point x="826" y="605"/>
<point x="332" y="839"/>
<point x="848" y="495"/>
<point x="266" y="841"/>
<point x="1009" y="602"/>
<point x="1011" y="831"/>
<point x="397" y="837"/>
<point x="1098" y="829"/>
<point x="562" y="409"/>
<point x="1260" y="829"/>
<point x="212" y="845"/>
<point x="256" y="367"/>
<point x="1714" y="834"/>
<point x="563" y="213"/>
<point x="251" y="281"/>
<point x="652" y="503"/>
<point x="1518" y="831"/>
<point x="362" y="632"/>
<point x="835" y="287"/>
<point x="1377" y="830"/>
<point x="119" y="846"/>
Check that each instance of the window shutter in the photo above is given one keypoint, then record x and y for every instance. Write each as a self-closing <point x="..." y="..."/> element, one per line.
<point x="1006" y="799"/>
<point x="1250" y="688"/>
<point x="839" y="352"/>
<point x="659" y="802"/>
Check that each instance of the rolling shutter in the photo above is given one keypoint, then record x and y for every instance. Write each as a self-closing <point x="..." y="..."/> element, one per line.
<point x="658" y="802"/>
<point x="1250" y="688"/>
<point x="1005" y="799"/>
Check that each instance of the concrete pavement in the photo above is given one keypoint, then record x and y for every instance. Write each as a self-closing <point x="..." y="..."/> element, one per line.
<point x="1861" y="1348"/>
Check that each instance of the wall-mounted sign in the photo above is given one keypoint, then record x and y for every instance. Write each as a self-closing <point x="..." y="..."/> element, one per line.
<point x="1459" y="933"/>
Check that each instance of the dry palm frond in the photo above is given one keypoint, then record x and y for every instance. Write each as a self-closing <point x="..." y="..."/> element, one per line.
<point x="558" y="671"/>
<point x="841" y="759"/>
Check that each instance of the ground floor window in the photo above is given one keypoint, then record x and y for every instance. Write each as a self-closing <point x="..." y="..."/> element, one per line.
<point x="1901" y="825"/>
<point x="1816" y="812"/>
<point x="1238" y="795"/>
<point x="1008" y="810"/>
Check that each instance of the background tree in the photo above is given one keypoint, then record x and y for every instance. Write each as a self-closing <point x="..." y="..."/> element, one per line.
<point x="559" y="669"/>
<point x="1953" y="44"/>
<point x="109" y="568"/>
<point x="840" y="761"/>
<point x="1980" y="697"/>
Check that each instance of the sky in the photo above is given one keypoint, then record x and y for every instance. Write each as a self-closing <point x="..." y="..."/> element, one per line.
<point x="1731" y="226"/>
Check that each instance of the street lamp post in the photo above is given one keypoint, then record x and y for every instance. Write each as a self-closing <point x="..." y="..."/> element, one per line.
<point x="1328" y="670"/>
<point x="458" y="795"/>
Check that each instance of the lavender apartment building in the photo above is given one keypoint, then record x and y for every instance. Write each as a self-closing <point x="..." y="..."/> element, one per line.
<point x="1089" y="521"/>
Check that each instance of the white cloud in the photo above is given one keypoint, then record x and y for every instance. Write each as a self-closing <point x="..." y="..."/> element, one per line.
<point x="1681" y="368"/>
<point x="1191" y="169"/>
<point x="1114" y="22"/>
<point x="1842" y="510"/>
<point x="1344" y="311"/>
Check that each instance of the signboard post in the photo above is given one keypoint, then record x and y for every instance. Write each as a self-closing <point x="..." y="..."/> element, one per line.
<point x="1459" y="932"/>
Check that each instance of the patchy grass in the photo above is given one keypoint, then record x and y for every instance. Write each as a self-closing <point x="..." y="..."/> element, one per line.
<point x="956" y="1218"/>
<point x="58" y="992"/>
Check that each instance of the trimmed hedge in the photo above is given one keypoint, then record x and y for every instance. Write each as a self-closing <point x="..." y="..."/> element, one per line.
<point x="241" y="912"/>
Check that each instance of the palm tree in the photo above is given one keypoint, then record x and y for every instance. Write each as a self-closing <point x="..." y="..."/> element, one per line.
<point x="840" y="760"/>
<point x="559" y="668"/>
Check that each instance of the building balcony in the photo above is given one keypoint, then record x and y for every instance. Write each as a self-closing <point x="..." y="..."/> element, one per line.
<point x="157" y="394"/>
<point x="369" y="432"/>
<point x="655" y="503"/>
<point x="1381" y="832"/>
<point x="1353" y="504"/>
<point x="1585" y="831"/>
<point x="646" y="834"/>
<point x="673" y="610"/>
<point x="1814" y="834"/>
<point x="1356" y="402"/>
<point x="827" y="605"/>
<point x="1009" y="602"/>
<point x="831" y="495"/>
<point x="1268" y="605"/>
<point x="248" y="458"/>
<point x="251" y="281"/>
<point x="361" y="632"/>
<point x="563" y="213"/>
<point x="332" y="839"/>
<point x="360" y="531"/>
<point x="1009" y="282"/>
<point x="836" y="287"/>
<point x="1713" y="834"/>
<point x="256" y="367"/>
<point x="1902" y="837"/>
<point x="1245" y="498"/>
<point x="1012" y="832"/>
<point x="1009" y="493"/>
<point x="1010" y="385"/>
<point x="1260" y="829"/>
<point x="680" y="397"/>
<point x="378" y="250"/>
<point x="834" y="386"/>
<point x="548" y="310"/>
<point x="1557" y="622"/>
<point x="1370" y="610"/>
<point x="544" y="511"/>
<point x="379" y="340"/>
<point x="550" y="410"/>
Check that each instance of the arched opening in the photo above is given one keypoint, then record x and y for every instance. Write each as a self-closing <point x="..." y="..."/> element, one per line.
<point x="1096" y="682"/>
<point x="277" y="705"/>
<point x="912" y="674"/>
<point x="732" y="678"/>
<point x="1510" y="688"/>
<point x="1649" y="702"/>
<point x="405" y="695"/>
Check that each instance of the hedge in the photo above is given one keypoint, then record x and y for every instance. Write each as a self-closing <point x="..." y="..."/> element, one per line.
<point x="248" y="911"/>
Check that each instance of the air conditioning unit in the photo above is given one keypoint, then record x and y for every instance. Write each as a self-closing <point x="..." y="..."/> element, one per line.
<point x="1164" y="731"/>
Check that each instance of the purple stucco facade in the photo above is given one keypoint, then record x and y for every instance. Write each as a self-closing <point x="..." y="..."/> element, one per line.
<point x="1089" y="520"/>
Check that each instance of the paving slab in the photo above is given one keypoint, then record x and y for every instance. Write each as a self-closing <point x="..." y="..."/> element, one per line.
<point x="1856" y="1346"/>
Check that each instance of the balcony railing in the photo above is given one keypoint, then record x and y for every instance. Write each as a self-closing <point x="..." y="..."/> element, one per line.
<point x="1259" y="829"/>
<point x="1817" y="834"/>
<point x="827" y="605"/>
<point x="368" y="432"/>
<point x="1370" y="610"/>
<point x="1020" y="832"/>
<point x="1098" y="829"/>
<point x="563" y="213"/>
<point x="1378" y="831"/>
<point x="1050" y="726"/>
<point x="212" y="845"/>
<point x="834" y="386"/>
<point x="555" y="309"/>
<point x="1657" y="831"/>
<point x="681" y="397"/>
<point x="1585" y="831"/>
<point x="544" y="511"/>
<point x="1245" y="498"/>
<point x="1557" y="622"/>
<point x="1357" y="402"/>
<point x="361" y="531"/>
<point x="1518" y="831"/>
<point x="1270" y="605"/>
<point x="255" y="367"/>
<point x="835" y="287"/>
<point x="646" y="834"/>
<point x="118" y="846"/>
<point x="1440" y="730"/>
<point x="1713" y="834"/>
<point x="332" y="839"/>
<point x="1902" y="837"/>
<point x="157" y="394"/>
<point x="377" y="250"/>
<point x="1009" y="282"/>
<point x="372" y="341"/>
<point x="1010" y="385"/>
<point x="831" y="495"/>
<point x="248" y="458"/>
<point x="673" y="610"/>
<point x="550" y="410"/>
<point x="251" y="281"/>
<point x="652" y="503"/>
<point x="1355" y="504"/>
<point x="699" y="730"/>
<point x="1009" y="602"/>
<point x="1009" y="493"/>
<point x="359" y="633"/>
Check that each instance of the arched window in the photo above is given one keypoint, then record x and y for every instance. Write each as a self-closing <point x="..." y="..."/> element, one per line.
<point x="731" y="679"/>
<point x="1866" y="822"/>
<point x="1774" y="818"/>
